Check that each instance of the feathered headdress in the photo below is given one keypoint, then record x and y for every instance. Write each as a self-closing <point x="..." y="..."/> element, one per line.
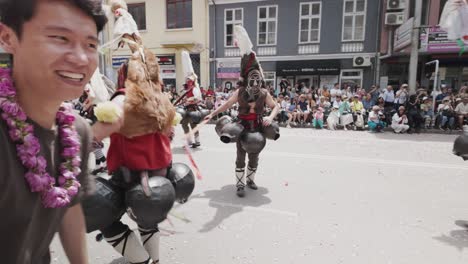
<point x="249" y="60"/>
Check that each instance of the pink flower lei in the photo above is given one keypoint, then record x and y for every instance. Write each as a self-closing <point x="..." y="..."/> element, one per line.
<point x="53" y="195"/>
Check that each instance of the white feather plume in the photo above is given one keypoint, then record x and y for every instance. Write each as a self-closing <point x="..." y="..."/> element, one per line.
<point x="242" y="40"/>
<point x="454" y="19"/>
<point x="189" y="73"/>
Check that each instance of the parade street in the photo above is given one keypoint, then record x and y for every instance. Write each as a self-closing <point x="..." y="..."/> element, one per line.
<point x="324" y="197"/>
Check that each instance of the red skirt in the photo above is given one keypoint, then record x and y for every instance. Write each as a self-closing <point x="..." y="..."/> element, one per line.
<point x="147" y="152"/>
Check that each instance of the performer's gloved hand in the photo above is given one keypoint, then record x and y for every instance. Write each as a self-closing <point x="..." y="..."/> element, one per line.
<point x="208" y="117"/>
<point x="102" y="130"/>
<point x="267" y="121"/>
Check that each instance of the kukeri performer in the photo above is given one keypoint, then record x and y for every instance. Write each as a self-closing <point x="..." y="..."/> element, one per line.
<point x="144" y="181"/>
<point x="252" y="129"/>
<point x="191" y="110"/>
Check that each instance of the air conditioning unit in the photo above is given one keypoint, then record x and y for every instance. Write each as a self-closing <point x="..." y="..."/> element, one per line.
<point x="396" y="4"/>
<point x="362" y="61"/>
<point x="394" y="19"/>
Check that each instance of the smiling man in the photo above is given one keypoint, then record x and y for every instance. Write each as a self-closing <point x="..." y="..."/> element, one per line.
<point x="45" y="146"/>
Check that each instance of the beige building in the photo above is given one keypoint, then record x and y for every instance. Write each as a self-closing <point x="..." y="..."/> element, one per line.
<point x="168" y="27"/>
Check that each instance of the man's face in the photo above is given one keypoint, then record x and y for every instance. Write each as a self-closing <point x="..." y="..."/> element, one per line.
<point x="57" y="52"/>
<point x="465" y="100"/>
<point x="389" y="88"/>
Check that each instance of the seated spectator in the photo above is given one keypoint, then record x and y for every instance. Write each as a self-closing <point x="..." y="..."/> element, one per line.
<point x="293" y="110"/>
<point x="462" y="111"/>
<point x="428" y="113"/>
<point x="447" y="113"/>
<point x="375" y="116"/>
<point x="338" y="102"/>
<point x="333" y="118"/>
<point x="367" y="101"/>
<point x="318" y="118"/>
<point x="346" y="117"/>
<point x="400" y="121"/>
<point x="415" y="119"/>
<point x="380" y="103"/>
<point x="303" y="109"/>
<point x="357" y="108"/>
<point x="209" y="103"/>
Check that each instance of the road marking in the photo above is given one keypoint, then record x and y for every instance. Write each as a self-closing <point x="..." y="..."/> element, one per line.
<point x="349" y="159"/>
<point x="245" y="207"/>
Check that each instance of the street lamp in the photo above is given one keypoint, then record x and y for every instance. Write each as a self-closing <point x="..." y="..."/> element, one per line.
<point x="435" y="91"/>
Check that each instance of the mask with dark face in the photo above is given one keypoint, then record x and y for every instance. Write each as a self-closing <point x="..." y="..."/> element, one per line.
<point x="254" y="84"/>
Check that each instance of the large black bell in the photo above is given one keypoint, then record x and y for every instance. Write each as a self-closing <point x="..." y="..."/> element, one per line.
<point x="204" y="112"/>
<point x="221" y="123"/>
<point x="103" y="207"/>
<point x="183" y="180"/>
<point x="231" y="132"/>
<point x="182" y="112"/>
<point x="460" y="146"/>
<point x="272" y="131"/>
<point x="150" y="211"/>
<point x="253" y="142"/>
<point x="195" y="116"/>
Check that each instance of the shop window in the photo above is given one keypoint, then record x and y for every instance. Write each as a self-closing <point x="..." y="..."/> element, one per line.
<point x="270" y="79"/>
<point x="179" y="14"/>
<point x="351" y="78"/>
<point x="138" y="11"/>
<point x="232" y="17"/>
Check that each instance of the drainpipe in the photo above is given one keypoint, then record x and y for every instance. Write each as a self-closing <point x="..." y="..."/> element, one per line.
<point x="377" y="44"/>
<point x="214" y="61"/>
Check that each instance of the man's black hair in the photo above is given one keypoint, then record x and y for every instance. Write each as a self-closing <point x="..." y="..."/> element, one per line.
<point x="14" y="13"/>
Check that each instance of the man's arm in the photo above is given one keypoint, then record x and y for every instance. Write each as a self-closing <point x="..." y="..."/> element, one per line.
<point x="274" y="108"/>
<point x="72" y="235"/>
<point x="230" y="102"/>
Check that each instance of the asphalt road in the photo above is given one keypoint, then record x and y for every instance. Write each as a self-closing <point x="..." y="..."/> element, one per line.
<point x="324" y="197"/>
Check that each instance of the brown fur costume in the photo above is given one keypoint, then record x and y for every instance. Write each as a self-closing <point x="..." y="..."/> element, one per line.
<point x="147" y="109"/>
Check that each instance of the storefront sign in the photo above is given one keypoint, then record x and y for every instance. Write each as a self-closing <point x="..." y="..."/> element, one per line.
<point x="292" y="68"/>
<point x="434" y="40"/>
<point x="403" y="35"/>
<point x="228" y="70"/>
<point x="162" y="60"/>
<point x="168" y="71"/>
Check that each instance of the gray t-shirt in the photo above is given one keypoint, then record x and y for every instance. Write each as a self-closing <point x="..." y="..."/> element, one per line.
<point x="26" y="227"/>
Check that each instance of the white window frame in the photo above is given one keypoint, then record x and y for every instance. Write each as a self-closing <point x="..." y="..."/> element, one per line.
<point x="310" y="17"/>
<point x="272" y="80"/>
<point x="233" y="22"/>
<point x="361" y="75"/>
<point x="354" y="14"/>
<point x="267" y="19"/>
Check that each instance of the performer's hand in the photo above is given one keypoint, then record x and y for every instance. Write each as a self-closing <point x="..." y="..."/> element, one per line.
<point x="102" y="130"/>
<point x="208" y="117"/>
<point x="267" y="121"/>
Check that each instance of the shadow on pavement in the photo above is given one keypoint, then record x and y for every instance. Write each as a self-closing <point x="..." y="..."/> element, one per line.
<point x="425" y="137"/>
<point x="227" y="203"/>
<point x="119" y="261"/>
<point x="456" y="238"/>
<point x="181" y="150"/>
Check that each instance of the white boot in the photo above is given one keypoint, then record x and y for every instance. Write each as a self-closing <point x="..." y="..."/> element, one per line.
<point x="150" y="240"/>
<point x="240" y="184"/>
<point x="251" y="178"/>
<point x="128" y="246"/>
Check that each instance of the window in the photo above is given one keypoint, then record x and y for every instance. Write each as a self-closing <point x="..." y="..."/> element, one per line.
<point x="351" y="78"/>
<point x="309" y="22"/>
<point x="267" y="21"/>
<point x="354" y="20"/>
<point x="232" y="17"/>
<point x="138" y="11"/>
<point x="270" y="79"/>
<point x="179" y="14"/>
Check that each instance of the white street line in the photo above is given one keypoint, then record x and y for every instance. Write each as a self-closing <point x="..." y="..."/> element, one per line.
<point x="350" y="159"/>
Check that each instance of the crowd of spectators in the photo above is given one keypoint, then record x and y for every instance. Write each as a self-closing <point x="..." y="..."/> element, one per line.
<point x="353" y="107"/>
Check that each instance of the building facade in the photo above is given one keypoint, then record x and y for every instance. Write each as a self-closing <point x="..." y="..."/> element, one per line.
<point x="318" y="42"/>
<point x="433" y="45"/>
<point x="168" y="27"/>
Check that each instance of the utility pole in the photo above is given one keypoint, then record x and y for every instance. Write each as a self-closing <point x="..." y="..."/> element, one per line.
<point x="413" y="68"/>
